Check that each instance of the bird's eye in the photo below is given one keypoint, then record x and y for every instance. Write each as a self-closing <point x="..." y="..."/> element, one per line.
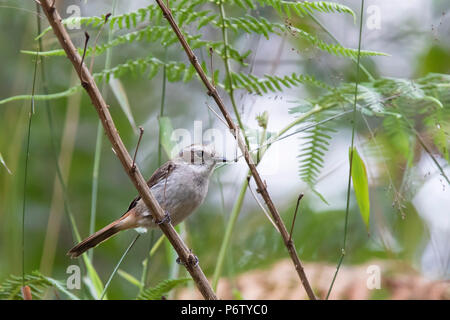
<point x="200" y="154"/>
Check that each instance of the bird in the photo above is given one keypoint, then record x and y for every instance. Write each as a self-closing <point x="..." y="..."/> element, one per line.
<point x="180" y="185"/>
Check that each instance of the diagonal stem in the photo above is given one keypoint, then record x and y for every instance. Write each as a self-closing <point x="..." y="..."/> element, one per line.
<point x="135" y="176"/>
<point x="262" y="188"/>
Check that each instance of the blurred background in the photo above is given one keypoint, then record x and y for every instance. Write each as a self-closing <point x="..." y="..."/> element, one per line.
<point x="409" y="231"/>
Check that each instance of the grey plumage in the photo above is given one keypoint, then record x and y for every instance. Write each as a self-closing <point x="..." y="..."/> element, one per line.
<point x="179" y="186"/>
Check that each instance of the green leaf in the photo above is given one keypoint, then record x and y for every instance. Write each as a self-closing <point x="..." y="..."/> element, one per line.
<point x="131" y="279"/>
<point x="93" y="277"/>
<point x="165" y="131"/>
<point x="161" y="289"/>
<point x="2" y="161"/>
<point x="121" y="96"/>
<point x="61" y="287"/>
<point x="10" y="289"/>
<point x="361" y="185"/>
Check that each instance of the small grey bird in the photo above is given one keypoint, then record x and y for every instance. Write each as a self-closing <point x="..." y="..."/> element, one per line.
<point x="180" y="186"/>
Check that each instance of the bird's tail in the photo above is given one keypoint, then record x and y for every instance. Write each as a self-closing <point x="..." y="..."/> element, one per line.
<point x="127" y="221"/>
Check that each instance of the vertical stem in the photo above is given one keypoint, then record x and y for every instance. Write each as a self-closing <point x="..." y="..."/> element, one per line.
<point x="27" y="155"/>
<point x="98" y="146"/>
<point x="95" y="171"/>
<point x="161" y="114"/>
<point x="161" y="111"/>
<point x="118" y="265"/>
<point x="229" y="74"/>
<point x="228" y="232"/>
<point x="351" y="154"/>
<point x="371" y="78"/>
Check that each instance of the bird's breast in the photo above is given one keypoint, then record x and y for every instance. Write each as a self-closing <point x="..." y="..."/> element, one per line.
<point x="179" y="195"/>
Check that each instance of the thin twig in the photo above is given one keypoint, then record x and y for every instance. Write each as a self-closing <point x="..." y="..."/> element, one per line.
<point x="217" y="115"/>
<point x="260" y="204"/>
<point x="347" y="208"/>
<point x="320" y="24"/>
<point x="161" y="109"/>
<point x="135" y="175"/>
<point x="228" y="72"/>
<point x="211" y="52"/>
<point x="212" y="91"/>
<point x="295" y="215"/>
<point x="96" y="40"/>
<point x="27" y="156"/>
<point x="118" y="265"/>
<point x="141" y="133"/>
<point x="99" y="138"/>
<point x="86" y="40"/>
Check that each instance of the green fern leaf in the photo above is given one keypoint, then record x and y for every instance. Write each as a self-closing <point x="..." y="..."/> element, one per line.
<point x="164" y="287"/>
<point x="10" y="289"/>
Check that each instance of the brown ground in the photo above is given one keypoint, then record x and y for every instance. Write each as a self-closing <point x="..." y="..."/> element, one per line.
<point x="281" y="282"/>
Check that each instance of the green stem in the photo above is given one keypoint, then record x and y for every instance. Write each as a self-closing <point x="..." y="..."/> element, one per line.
<point x="229" y="76"/>
<point x="368" y="74"/>
<point x="98" y="147"/>
<point x="298" y="120"/>
<point x="228" y="232"/>
<point x="118" y="265"/>
<point x="161" y="111"/>
<point x="156" y="245"/>
<point x="347" y="207"/>
<point x="27" y="156"/>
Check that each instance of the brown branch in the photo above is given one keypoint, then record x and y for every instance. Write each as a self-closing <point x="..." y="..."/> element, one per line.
<point x="262" y="188"/>
<point x="88" y="83"/>
<point x="295" y="215"/>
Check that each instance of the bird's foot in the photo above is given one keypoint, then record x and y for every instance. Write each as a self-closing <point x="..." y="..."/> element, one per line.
<point x="192" y="260"/>
<point x="166" y="219"/>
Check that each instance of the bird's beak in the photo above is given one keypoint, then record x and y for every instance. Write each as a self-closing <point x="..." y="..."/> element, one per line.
<point x="220" y="159"/>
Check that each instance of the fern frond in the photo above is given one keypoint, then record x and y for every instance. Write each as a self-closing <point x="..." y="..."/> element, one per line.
<point x="301" y="9"/>
<point x="264" y="27"/>
<point x="334" y="49"/>
<point x="130" y="19"/>
<point x="437" y="125"/>
<point x="163" y="34"/>
<point x="176" y="71"/>
<point x="161" y="289"/>
<point x="399" y="134"/>
<point x="182" y="12"/>
<point x="270" y="83"/>
<point x="314" y="145"/>
<point x="304" y="8"/>
<point x="10" y="289"/>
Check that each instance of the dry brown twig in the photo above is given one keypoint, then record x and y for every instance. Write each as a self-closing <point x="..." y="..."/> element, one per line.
<point x="88" y="83"/>
<point x="262" y="188"/>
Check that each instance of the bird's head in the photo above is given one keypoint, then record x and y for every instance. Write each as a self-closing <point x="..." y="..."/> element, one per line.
<point x="200" y="155"/>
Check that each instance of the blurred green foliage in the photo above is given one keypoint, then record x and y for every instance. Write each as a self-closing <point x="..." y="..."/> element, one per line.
<point x="255" y="243"/>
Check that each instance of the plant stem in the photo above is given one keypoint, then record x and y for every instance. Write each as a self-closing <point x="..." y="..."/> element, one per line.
<point x="347" y="207"/>
<point x="27" y="156"/>
<point x="161" y="111"/>
<point x="262" y="186"/>
<point x="298" y="120"/>
<point x="133" y="172"/>
<point x="228" y="232"/>
<point x="229" y="74"/>
<point x="368" y="74"/>
<point x="98" y="145"/>
<point x="118" y="265"/>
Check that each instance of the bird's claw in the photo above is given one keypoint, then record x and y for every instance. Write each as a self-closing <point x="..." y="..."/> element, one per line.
<point x="192" y="260"/>
<point x="166" y="219"/>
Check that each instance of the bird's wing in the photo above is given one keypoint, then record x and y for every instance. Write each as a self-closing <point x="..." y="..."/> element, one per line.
<point x="160" y="174"/>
